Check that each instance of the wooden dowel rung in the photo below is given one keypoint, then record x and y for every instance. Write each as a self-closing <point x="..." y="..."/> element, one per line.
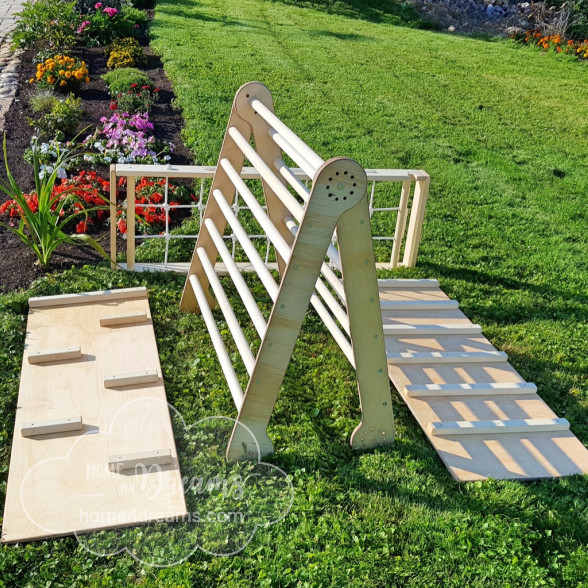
<point x="419" y="304"/>
<point x="140" y="460"/>
<point x="52" y="426"/>
<point x="145" y="377"/>
<point x="114" y="320"/>
<point x="448" y="357"/>
<point x="498" y="426"/>
<point x="449" y="329"/>
<point x="405" y="283"/>
<point x="55" y="355"/>
<point x="489" y="389"/>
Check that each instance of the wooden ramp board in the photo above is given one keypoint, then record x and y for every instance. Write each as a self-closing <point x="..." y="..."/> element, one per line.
<point x="453" y="400"/>
<point x="60" y="483"/>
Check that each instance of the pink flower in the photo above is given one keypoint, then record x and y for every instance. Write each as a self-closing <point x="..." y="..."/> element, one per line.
<point x="110" y="11"/>
<point x="98" y="5"/>
<point x="83" y="26"/>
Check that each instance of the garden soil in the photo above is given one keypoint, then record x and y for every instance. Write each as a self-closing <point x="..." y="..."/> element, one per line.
<point x="18" y="267"/>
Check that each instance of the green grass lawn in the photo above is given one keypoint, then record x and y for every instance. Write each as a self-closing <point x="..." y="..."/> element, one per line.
<point x="503" y="132"/>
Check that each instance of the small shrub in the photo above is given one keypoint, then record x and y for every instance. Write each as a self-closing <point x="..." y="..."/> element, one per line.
<point x="137" y="99"/>
<point x="122" y="79"/>
<point x="120" y="59"/>
<point x="52" y="22"/>
<point x="579" y="20"/>
<point x="61" y="72"/>
<point x="56" y="116"/>
<point x="125" y="50"/>
<point x="108" y="23"/>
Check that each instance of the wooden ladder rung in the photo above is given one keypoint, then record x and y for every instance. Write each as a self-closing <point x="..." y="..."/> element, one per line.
<point x="448" y="357"/>
<point x="53" y="426"/>
<point x="408" y="283"/>
<point x="55" y="355"/>
<point x="134" y="460"/>
<point x="489" y="389"/>
<point x="419" y="304"/>
<point x="146" y="377"/>
<point x="448" y="329"/>
<point x="498" y="426"/>
<point x="114" y="320"/>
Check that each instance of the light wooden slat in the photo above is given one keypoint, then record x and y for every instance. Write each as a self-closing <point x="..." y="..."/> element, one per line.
<point x="406" y="283"/>
<point x="134" y="378"/>
<point x="419" y="304"/>
<point x="498" y="426"/>
<point x="48" y="355"/>
<point x="139" y="460"/>
<point x="114" y="320"/>
<point x="87" y="297"/>
<point x="435" y="357"/>
<point x="448" y="329"/>
<point x="490" y="389"/>
<point x="53" y="426"/>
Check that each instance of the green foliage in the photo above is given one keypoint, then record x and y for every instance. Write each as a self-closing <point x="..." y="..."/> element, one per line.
<point x="51" y="22"/>
<point x="135" y="100"/>
<point x="120" y="80"/>
<point x="41" y="226"/>
<point x="578" y="28"/>
<point x="56" y="117"/>
<point x="102" y="29"/>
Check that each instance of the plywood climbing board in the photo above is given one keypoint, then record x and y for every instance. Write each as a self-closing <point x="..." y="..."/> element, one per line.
<point x="93" y="445"/>
<point x="477" y="411"/>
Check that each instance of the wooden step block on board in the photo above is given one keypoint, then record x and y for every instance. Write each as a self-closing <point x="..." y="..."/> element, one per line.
<point x="139" y="460"/>
<point x="48" y="355"/>
<point x="60" y="483"/>
<point x="133" y="378"/>
<point x="410" y="284"/>
<point x="435" y="357"/>
<point x="87" y="297"/>
<point x="498" y="427"/>
<point x="490" y="389"/>
<point x="54" y="426"/>
<point x="402" y="305"/>
<point x="115" y="320"/>
<point x="447" y="329"/>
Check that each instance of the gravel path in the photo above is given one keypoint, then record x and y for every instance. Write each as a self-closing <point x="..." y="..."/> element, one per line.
<point x="9" y="61"/>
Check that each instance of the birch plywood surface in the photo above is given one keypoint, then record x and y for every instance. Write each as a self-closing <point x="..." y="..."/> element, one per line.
<point x="499" y="455"/>
<point x="60" y="483"/>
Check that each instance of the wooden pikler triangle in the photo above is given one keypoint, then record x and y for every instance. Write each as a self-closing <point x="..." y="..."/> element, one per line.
<point x="479" y="414"/>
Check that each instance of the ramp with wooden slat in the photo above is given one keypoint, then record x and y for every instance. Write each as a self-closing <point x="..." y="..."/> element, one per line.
<point x="477" y="411"/>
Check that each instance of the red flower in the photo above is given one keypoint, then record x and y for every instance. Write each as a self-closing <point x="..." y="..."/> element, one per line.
<point x="81" y="227"/>
<point x="122" y="225"/>
<point x="134" y="85"/>
<point x="113" y="106"/>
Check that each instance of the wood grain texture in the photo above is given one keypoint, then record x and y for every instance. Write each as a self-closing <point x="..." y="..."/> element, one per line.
<point x="60" y="483"/>
<point x="510" y="455"/>
<point x="297" y="285"/>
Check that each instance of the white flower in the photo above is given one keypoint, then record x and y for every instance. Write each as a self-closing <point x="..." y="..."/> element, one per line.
<point x="166" y="157"/>
<point x="88" y="157"/>
<point x="107" y="159"/>
<point x="61" y="174"/>
<point x="121" y="160"/>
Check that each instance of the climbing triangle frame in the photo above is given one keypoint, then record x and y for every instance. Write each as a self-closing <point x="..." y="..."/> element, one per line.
<point x="301" y="233"/>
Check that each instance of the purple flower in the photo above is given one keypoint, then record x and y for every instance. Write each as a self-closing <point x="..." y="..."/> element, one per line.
<point x="110" y="11"/>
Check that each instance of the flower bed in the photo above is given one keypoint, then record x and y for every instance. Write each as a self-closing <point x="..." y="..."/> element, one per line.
<point x="555" y="44"/>
<point x="106" y="133"/>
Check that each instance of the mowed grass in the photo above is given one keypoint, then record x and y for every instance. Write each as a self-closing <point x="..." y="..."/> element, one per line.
<point x="502" y="131"/>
